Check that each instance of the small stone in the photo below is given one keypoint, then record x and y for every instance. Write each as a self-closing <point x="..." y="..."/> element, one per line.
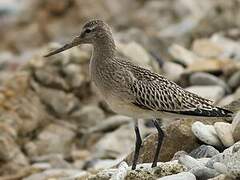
<point x="168" y="168"/>
<point x="88" y="116"/>
<point x="226" y="100"/>
<point x="206" y="48"/>
<point x="54" y="139"/>
<point x="136" y="53"/>
<point x="206" y="133"/>
<point x="189" y="162"/>
<point x="139" y="174"/>
<point x="227" y="162"/>
<point x="172" y="71"/>
<point x="183" y="55"/>
<point x="53" y="173"/>
<point x="214" y="93"/>
<point x="200" y="78"/>
<point x="236" y="127"/>
<point x="179" y="176"/>
<point x="121" y="140"/>
<point x="204" y="151"/>
<point x="60" y="102"/>
<point x="122" y="171"/>
<point x="234" y="80"/>
<point x="224" y="132"/>
<point x="209" y="65"/>
<point x="204" y="172"/>
<point x="221" y="177"/>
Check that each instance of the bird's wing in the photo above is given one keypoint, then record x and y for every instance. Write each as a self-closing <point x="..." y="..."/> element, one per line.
<point x="154" y="92"/>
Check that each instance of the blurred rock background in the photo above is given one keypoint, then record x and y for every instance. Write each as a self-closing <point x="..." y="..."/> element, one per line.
<point x="53" y="123"/>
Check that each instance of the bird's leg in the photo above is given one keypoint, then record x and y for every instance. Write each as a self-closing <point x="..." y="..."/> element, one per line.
<point x="137" y="145"/>
<point x="160" y="140"/>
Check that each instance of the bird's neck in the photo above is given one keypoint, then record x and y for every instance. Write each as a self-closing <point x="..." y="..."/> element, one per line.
<point x="104" y="48"/>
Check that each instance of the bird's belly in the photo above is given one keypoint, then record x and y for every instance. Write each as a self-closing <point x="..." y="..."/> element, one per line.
<point x="126" y="108"/>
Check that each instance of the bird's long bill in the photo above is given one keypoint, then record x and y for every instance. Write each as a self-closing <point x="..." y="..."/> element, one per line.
<point x="75" y="42"/>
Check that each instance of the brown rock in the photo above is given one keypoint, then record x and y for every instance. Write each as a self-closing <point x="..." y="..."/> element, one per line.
<point x="178" y="136"/>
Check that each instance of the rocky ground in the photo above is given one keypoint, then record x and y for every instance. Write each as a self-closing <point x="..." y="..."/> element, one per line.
<point x="53" y="123"/>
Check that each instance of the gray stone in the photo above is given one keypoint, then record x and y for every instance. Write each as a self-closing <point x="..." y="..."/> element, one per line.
<point x="136" y="53"/>
<point x="88" y="116"/>
<point x="179" y="176"/>
<point x="203" y="173"/>
<point x="236" y="127"/>
<point x="53" y="173"/>
<point x="115" y="144"/>
<point x="204" y="151"/>
<point x="224" y="132"/>
<point x="53" y="139"/>
<point x="206" y="133"/>
<point x="200" y="78"/>
<point x="183" y="55"/>
<point x="172" y="71"/>
<point x="214" y="93"/>
<point x="227" y="162"/>
<point x="234" y="80"/>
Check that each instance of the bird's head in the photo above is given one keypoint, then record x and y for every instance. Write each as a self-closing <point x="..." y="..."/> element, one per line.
<point x="92" y="32"/>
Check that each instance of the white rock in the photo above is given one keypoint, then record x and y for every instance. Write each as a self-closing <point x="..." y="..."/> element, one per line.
<point x="220" y="167"/>
<point x="206" y="133"/>
<point x="117" y="143"/>
<point x="183" y="55"/>
<point x="53" y="173"/>
<point x="236" y="127"/>
<point x="224" y="132"/>
<point x="179" y="176"/>
<point x="230" y="47"/>
<point x="207" y="79"/>
<point x="206" y="48"/>
<point x="228" y="161"/>
<point x="121" y="173"/>
<point x="214" y="93"/>
<point x="190" y="162"/>
<point x="136" y="53"/>
<point x="226" y="100"/>
<point x="172" y="71"/>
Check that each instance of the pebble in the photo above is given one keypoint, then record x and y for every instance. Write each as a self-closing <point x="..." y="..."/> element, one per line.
<point x="236" y="127"/>
<point x="205" y="79"/>
<point x="204" y="172"/>
<point x="206" y="48"/>
<point x="226" y="100"/>
<point x="172" y="71"/>
<point x="121" y="173"/>
<point x="206" y="133"/>
<point x="234" y="80"/>
<point x="179" y="176"/>
<point x="204" y="151"/>
<point x="197" y="167"/>
<point x="224" y="132"/>
<point x="190" y="162"/>
<point x="121" y="140"/>
<point x="183" y="55"/>
<point x="227" y="162"/>
<point x="58" y="139"/>
<point x="88" y="116"/>
<point x="136" y="53"/>
<point x="214" y="93"/>
<point x="53" y="173"/>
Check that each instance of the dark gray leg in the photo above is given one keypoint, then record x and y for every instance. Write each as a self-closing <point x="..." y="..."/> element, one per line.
<point x="137" y="145"/>
<point x="160" y="140"/>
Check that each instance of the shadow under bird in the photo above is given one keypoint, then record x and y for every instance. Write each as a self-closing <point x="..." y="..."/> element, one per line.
<point x="134" y="91"/>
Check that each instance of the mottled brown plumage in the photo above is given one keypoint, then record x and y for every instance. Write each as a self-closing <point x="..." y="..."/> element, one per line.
<point x="135" y="91"/>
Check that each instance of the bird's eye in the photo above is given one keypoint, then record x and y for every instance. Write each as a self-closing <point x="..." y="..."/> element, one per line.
<point x="88" y="30"/>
